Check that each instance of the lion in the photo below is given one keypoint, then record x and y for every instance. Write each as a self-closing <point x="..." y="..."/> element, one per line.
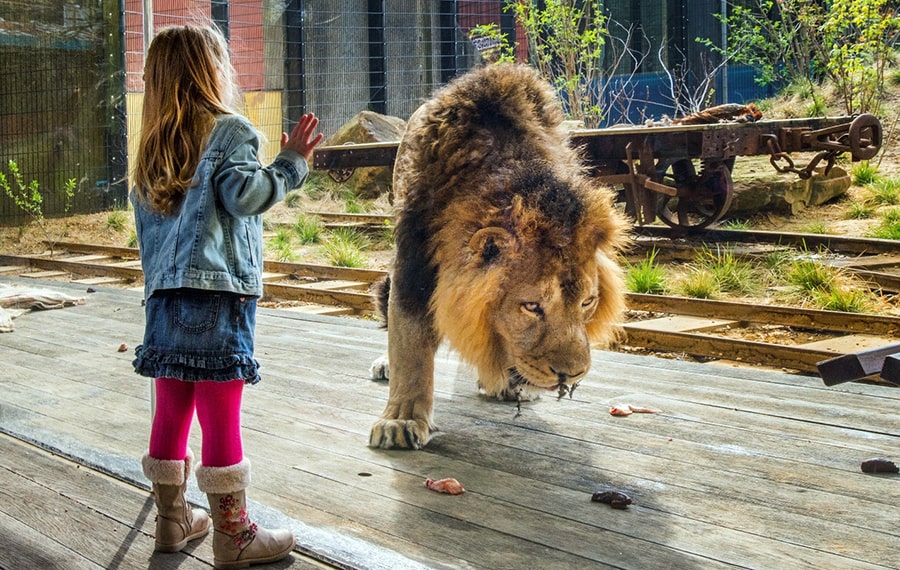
<point x="505" y="247"/>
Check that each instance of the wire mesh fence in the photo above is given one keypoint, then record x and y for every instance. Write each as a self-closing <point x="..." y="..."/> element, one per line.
<point x="71" y="89"/>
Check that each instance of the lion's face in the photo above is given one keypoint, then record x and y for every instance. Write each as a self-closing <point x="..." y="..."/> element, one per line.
<point x="526" y="315"/>
<point x="541" y="322"/>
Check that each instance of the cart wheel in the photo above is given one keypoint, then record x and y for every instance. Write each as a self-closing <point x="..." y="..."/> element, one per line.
<point x="702" y="198"/>
<point x="864" y="137"/>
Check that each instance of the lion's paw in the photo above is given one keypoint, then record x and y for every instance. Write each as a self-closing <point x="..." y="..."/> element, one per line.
<point x="400" y="434"/>
<point x="380" y="370"/>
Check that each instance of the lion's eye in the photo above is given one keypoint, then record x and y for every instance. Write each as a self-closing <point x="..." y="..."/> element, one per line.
<point x="533" y="308"/>
<point x="587" y="303"/>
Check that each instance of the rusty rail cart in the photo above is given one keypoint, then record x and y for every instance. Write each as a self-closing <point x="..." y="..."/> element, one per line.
<point x="679" y="172"/>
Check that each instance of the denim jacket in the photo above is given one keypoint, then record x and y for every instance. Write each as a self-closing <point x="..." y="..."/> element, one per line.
<point x="214" y="241"/>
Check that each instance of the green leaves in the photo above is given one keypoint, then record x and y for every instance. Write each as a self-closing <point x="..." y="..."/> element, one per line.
<point x="566" y="39"/>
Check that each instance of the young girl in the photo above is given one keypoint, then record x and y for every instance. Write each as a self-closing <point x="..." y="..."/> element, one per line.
<point x="199" y="192"/>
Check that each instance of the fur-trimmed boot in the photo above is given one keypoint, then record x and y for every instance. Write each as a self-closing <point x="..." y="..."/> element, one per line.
<point x="237" y="541"/>
<point x="176" y="522"/>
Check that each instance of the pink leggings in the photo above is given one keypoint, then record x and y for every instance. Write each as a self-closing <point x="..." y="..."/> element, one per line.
<point x="218" y="406"/>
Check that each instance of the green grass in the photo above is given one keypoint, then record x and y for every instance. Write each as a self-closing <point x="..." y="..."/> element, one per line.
<point x="733" y="274"/>
<point x="700" y="283"/>
<point x="345" y="248"/>
<point x="808" y="275"/>
<point x="646" y="276"/>
<point x="817" y="108"/>
<point x="385" y="236"/>
<point x="294" y="198"/>
<point x="864" y="173"/>
<point x="319" y="185"/>
<point x="817" y="227"/>
<point x="117" y="220"/>
<point x="776" y="260"/>
<point x="893" y="77"/>
<point x="885" y="191"/>
<point x="886" y="230"/>
<point x="308" y="229"/>
<point x="282" y="245"/>
<point x="843" y="299"/>
<point x="353" y="205"/>
<point x="735" y="224"/>
<point x="859" y="211"/>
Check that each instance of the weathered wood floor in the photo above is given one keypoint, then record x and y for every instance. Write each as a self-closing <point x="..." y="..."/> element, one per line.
<point x="741" y="469"/>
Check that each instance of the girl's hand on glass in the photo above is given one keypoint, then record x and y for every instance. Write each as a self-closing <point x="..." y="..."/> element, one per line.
<point x="303" y="138"/>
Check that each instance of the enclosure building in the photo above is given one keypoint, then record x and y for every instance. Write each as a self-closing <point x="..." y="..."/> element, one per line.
<point x="71" y="86"/>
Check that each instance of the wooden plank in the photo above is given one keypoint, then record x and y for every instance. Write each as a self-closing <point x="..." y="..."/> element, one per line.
<point x="741" y="468"/>
<point x="314" y="309"/>
<point x="809" y="242"/>
<point x="44" y="274"/>
<point x="73" y="525"/>
<point x="363" y="219"/>
<point x="129" y="264"/>
<point x="734" y="349"/>
<point x="25" y="547"/>
<point x="99" y="280"/>
<point x="87" y="257"/>
<point x="268" y="277"/>
<point x="89" y="269"/>
<point x="107" y="250"/>
<point x="325" y="271"/>
<point x="360" y="302"/>
<point x="867" y="262"/>
<point x="848" y="343"/>
<point x="855" y="366"/>
<point x="681" y="323"/>
<point x="548" y="497"/>
<point x="85" y="490"/>
<point x="337" y="284"/>
<point x="790" y="316"/>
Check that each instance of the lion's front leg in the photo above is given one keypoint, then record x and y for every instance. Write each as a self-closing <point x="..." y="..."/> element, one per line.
<point x="406" y="422"/>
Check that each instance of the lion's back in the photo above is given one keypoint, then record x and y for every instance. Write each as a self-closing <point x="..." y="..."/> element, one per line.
<point x="476" y="125"/>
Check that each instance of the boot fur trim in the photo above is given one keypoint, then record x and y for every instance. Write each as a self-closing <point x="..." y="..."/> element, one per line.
<point x="167" y="471"/>
<point x="221" y="480"/>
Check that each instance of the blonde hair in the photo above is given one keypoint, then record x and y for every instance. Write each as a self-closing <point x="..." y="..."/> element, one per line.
<point x="188" y="81"/>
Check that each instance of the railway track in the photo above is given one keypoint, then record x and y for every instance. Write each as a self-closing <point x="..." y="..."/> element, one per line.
<point x="874" y="260"/>
<point x="775" y="336"/>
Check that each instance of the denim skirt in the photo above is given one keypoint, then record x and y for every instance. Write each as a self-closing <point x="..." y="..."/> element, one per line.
<point x="196" y="335"/>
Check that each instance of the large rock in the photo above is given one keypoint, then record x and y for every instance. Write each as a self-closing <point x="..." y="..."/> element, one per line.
<point x="367" y="127"/>
<point x="760" y="187"/>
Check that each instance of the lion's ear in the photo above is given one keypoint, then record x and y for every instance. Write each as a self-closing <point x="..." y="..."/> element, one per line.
<point x="488" y="244"/>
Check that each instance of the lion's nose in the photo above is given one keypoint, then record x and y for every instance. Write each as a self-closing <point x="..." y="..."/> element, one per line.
<point x="564" y="377"/>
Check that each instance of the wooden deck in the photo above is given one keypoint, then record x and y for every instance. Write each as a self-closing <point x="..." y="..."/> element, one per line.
<point x="742" y="468"/>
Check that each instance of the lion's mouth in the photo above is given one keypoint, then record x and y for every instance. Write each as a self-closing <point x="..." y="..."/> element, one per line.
<point x="518" y="382"/>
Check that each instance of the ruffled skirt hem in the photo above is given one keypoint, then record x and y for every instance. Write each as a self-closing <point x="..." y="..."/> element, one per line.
<point x="195" y="368"/>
